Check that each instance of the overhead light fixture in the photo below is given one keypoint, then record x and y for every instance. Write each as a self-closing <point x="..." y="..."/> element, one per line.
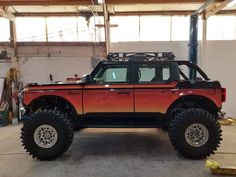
<point x="232" y="3"/>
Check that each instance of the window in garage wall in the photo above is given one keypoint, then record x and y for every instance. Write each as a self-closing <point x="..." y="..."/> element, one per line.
<point x="150" y="28"/>
<point x="127" y="30"/>
<point x="62" y="29"/>
<point x="59" y="29"/>
<point x="84" y="34"/>
<point x="97" y="33"/>
<point x="4" y="30"/>
<point x="221" y="27"/>
<point x="155" y="28"/>
<point x="180" y="28"/>
<point x="74" y="29"/>
<point x="30" y="29"/>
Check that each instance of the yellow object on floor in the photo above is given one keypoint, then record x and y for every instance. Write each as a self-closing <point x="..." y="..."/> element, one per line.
<point x="215" y="168"/>
<point x="228" y="121"/>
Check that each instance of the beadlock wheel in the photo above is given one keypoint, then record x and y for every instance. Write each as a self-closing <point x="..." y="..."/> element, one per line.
<point x="196" y="135"/>
<point x="45" y="136"/>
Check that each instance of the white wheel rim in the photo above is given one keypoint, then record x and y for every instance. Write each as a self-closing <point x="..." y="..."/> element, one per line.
<point x="196" y="135"/>
<point x="45" y="136"/>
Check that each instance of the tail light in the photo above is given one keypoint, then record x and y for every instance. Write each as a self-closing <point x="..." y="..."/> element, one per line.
<point x="223" y="94"/>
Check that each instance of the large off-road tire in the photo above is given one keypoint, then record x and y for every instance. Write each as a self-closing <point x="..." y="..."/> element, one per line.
<point x="195" y="133"/>
<point x="47" y="134"/>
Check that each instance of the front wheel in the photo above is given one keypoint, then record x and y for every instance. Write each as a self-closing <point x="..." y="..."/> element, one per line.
<point x="47" y="134"/>
<point x="195" y="133"/>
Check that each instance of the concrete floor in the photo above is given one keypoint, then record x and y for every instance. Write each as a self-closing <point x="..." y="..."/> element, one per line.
<point x="109" y="153"/>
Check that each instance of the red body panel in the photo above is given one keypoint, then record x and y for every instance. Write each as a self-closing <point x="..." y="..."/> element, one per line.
<point x="72" y="93"/>
<point x="108" y="98"/>
<point x="120" y="97"/>
<point x="212" y="94"/>
<point x="155" y="97"/>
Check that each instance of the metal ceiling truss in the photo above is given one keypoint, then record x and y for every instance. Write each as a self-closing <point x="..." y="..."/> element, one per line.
<point x="88" y="2"/>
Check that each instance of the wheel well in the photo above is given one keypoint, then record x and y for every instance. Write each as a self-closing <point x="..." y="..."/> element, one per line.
<point x="51" y="102"/>
<point x="188" y="102"/>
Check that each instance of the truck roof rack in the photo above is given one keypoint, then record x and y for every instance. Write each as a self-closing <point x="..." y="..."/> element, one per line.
<point x="140" y="56"/>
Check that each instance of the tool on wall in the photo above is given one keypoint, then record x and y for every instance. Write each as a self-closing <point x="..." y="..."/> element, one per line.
<point x="51" y="78"/>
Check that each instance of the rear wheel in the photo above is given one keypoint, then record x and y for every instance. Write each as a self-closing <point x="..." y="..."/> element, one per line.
<point x="47" y="134"/>
<point x="195" y="133"/>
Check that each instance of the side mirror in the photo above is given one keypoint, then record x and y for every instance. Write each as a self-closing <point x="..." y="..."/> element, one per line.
<point x="86" y="78"/>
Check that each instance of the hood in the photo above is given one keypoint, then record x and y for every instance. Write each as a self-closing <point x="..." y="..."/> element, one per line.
<point x="56" y="86"/>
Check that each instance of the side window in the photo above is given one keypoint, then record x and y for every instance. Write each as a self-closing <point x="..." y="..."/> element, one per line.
<point x="157" y="74"/>
<point x="112" y="75"/>
<point x="166" y="73"/>
<point x="146" y="74"/>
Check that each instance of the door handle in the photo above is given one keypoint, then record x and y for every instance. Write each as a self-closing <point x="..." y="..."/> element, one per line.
<point x="123" y="93"/>
<point x="73" y="93"/>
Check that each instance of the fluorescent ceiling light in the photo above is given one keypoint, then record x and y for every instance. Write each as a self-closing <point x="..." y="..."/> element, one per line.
<point x="232" y="3"/>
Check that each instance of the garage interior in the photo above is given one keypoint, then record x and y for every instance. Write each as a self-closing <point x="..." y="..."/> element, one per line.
<point x="48" y="41"/>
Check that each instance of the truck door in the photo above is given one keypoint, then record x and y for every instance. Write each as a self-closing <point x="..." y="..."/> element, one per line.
<point x="154" y="88"/>
<point x="112" y="91"/>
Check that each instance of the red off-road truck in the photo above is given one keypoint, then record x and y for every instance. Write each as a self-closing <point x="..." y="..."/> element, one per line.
<point x="127" y="90"/>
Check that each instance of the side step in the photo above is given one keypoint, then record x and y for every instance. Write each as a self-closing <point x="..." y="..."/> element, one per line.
<point x="119" y="123"/>
<point x="119" y="126"/>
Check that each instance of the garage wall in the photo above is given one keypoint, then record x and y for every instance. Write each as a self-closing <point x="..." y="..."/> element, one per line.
<point x="36" y="63"/>
<point x="220" y="65"/>
<point x="4" y="64"/>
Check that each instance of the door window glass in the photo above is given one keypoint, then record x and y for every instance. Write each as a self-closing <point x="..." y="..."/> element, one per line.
<point x="113" y="75"/>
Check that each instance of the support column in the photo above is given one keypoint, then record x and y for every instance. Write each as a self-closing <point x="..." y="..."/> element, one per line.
<point x="193" y="43"/>
<point x="13" y="44"/>
<point x="107" y="27"/>
<point x="204" y="42"/>
<point x="14" y="71"/>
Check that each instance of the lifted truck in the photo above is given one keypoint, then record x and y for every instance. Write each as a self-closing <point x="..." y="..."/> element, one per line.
<point x="127" y="90"/>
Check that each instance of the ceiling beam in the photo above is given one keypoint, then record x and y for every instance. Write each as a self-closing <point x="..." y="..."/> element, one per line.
<point x="218" y="7"/>
<point x="88" y="2"/>
<point x="43" y="2"/>
<point x="154" y="1"/>
<point x="204" y="7"/>
<point x="171" y="13"/>
<point x="6" y="14"/>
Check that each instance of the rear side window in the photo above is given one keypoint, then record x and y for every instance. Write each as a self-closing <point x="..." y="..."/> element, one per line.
<point x="157" y="74"/>
<point x="146" y="74"/>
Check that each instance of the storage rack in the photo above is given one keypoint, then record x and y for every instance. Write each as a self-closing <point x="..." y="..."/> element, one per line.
<point x="140" y="56"/>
